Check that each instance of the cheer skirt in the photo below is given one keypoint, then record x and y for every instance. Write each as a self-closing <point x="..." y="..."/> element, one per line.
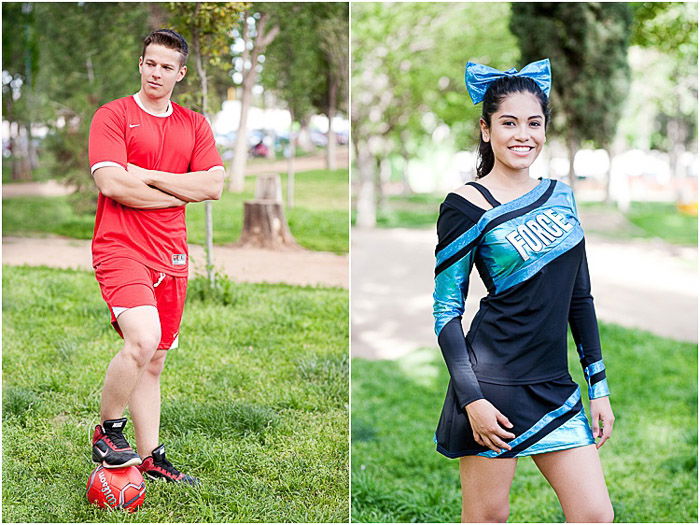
<point x="546" y="417"/>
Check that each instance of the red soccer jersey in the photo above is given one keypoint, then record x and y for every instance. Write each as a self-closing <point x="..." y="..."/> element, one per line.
<point x="177" y="141"/>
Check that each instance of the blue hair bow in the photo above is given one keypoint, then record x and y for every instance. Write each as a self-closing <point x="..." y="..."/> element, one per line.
<point x="478" y="77"/>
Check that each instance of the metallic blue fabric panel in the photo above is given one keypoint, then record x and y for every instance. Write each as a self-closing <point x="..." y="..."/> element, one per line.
<point x="515" y="250"/>
<point x="599" y="389"/>
<point x="450" y="291"/>
<point x="471" y="234"/>
<point x="527" y="271"/>
<point x="543" y="422"/>
<point x="576" y="432"/>
<point x="593" y="369"/>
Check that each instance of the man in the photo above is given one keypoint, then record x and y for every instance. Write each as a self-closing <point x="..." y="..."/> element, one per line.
<point x="149" y="157"/>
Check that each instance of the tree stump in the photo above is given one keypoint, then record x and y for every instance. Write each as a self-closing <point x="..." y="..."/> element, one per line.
<point x="268" y="187"/>
<point x="264" y="223"/>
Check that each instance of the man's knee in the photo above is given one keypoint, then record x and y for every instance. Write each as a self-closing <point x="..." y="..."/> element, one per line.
<point x="157" y="363"/>
<point x="142" y="348"/>
<point x="486" y="514"/>
<point x="597" y="515"/>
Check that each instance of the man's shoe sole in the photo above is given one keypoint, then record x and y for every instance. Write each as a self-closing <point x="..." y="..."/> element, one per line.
<point x="131" y="463"/>
<point x="166" y="480"/>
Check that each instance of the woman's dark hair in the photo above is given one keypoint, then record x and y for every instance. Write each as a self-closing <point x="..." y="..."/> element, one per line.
<point x="495" y="94"/>
<point x="170" y="39"/>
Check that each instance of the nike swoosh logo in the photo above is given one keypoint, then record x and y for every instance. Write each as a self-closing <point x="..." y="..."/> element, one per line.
<point x="133" y="125"/>
<point x="100" y="452"/>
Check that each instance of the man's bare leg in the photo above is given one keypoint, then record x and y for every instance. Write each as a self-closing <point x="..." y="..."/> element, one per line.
<point x="144" y="405"/>
<point x="141" y="328"/>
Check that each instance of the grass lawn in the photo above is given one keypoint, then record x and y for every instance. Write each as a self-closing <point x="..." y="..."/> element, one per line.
<point x="318" y="221"/>
<point x="649" y="220"/>
<point x="255" y="403"/>
<point x="409" y="211"/>
<point x="650" y="462"/>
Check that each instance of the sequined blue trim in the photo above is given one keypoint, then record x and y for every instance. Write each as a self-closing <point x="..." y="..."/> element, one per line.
<point x="543" y="422"/>
<point x="459" y="243"/>
<point x="450" y="290"/>
<point x="489" y="215"/>
<point x="576" y="432"/>
<point x="593" y="369"/>
<point x="528" y="271"/>
<point x="599" y="389"/>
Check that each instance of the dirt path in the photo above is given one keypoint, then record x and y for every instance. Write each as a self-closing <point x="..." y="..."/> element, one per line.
<point x="251" y="265"/>
<point x="646" y="285"/>
<point x="53" y="188"/>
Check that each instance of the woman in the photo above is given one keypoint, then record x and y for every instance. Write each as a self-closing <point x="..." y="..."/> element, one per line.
<point x="510" y="393"/>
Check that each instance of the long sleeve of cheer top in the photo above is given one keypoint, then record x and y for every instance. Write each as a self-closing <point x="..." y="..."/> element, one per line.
<point x="451" y="287"/>
<point x="530" y="254"/>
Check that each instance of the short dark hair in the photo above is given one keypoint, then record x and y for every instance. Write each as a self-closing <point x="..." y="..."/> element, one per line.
<point x="170" y="39"/>
<point x="495" y="94"/>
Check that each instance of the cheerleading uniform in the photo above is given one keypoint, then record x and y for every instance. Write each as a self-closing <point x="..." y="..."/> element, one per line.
<point x="530" y="254"/>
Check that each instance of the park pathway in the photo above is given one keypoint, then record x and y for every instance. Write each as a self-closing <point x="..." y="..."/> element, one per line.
<point x="250" y="265"/>
<point x="638" y="284"/>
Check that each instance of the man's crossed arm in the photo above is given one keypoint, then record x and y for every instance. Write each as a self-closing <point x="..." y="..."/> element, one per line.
<point x="149" y="189"/>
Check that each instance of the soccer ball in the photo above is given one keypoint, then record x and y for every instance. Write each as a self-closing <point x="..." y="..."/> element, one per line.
<point x="116" y="488"/>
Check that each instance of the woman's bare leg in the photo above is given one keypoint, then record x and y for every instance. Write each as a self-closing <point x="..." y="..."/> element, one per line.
<point x="485" y="488"/>
<point x="577" y="477"/>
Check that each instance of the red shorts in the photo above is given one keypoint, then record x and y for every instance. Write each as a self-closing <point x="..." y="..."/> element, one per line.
<point x="126" y="283"/>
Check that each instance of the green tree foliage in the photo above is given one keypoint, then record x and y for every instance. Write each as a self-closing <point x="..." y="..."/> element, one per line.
<point x="208" y="27"/>
<point x="83" y="63"/>
<point x="293" y="61"/>
<point x="586" y="43"/>
<point x="407" y="78"/>
<point x="20" y="54"/>
<point x="306" y="65"/>
<point x="670" y="27"/>
<point x="667" y="33"/>
<point x="297" y="62"/>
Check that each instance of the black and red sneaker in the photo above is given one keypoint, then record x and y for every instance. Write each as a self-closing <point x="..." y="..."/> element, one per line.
<point x="156" y="466"/>
<point x="109" y="446"/>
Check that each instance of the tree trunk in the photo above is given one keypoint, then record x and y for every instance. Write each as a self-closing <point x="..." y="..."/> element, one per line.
<point x="330" y="148"/>
<point x="405" y="183"/>
<point x="676" y="133"/>
<point x="21" y="168"/>
<point x="572" y="148"/>
<point x="304" y="138"/>
<point x="268" y="187"/>
<point x="208" y="220"/>
<point x="240" y="150"/>
<point x="384" y="171"/>
<point x="264" y="223"/>
<point x="290" y="164"/>
<point x="366" y="203"/>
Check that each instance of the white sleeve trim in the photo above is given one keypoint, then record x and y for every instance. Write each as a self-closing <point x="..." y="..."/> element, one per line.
<point x="217" y="168"/>
<point x="104" y="164"/>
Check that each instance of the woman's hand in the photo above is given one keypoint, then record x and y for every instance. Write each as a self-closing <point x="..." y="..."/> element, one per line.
<point x="603" y="419"/>
<point x="486" y="422"/>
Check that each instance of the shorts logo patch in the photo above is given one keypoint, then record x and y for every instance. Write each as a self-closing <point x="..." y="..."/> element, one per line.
<point x="179" y="259"/>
